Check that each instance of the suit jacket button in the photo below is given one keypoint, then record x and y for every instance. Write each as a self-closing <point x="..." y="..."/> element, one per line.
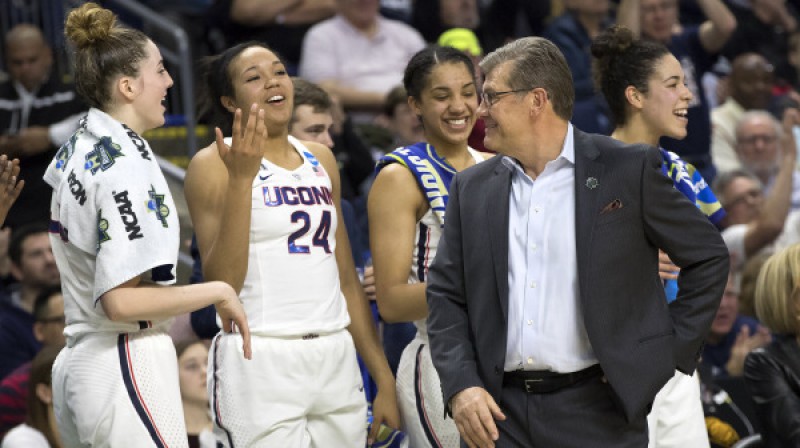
<point x="497" y="370"/>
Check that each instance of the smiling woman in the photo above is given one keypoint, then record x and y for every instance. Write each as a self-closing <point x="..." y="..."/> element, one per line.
<point x="110" y="229"/>
<point x="266" y="210"/>
<point x="406" y="213"/>
<point x="644" y="86"/>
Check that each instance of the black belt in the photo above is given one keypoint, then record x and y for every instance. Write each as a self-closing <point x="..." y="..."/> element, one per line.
<point x="545" y="381"/>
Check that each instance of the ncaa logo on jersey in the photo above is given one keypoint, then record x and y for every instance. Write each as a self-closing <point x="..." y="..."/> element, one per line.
<point x="156" y="204"/>
<point x="103" y="155"/>
<point x="102" y="230"/>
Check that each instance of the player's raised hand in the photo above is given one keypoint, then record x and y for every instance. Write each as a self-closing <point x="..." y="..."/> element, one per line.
<point x="10" y="185"/>
<point x="243" y="157"/>
<point x="232" y="314"/>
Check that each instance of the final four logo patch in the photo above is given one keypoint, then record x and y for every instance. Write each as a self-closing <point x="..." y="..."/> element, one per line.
<point x="103" y="155"/>
<point x="156" y="204"/>
<point x="65" y="152"/>
<point x="102" y="229"/>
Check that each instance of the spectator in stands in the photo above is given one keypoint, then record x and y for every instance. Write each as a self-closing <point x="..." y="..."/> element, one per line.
<point x="192" y="362"/>
<point x="282" y="24"/>
<point x="38" y="113"/>
<point x="505" y="20"/>
<point x="358" y="56"/>
<point x="750" y="88"/>
<point x="732" y="335"/>
<point x="573" y="32"/>
<point x="39" y="429"/>
<point x="764" y="27"/>
<point x="759" y="150"/>
<point x="34" y="267"/>
<point x="747" y="291"/>
<point x="315" y="110"/>
<point x="402" y="125"/>
<point x="433" y="17"/>
<point x="772" y="372"/>
<point x="696" y="48"/>
<point x="48" y="329"/>
<point x="756" y="221"/>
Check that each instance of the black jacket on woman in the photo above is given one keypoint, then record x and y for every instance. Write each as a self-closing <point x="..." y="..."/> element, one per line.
<point x="773" y="376"/>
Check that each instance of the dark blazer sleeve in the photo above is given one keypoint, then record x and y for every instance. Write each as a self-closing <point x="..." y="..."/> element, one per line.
<point x="452" y="349"/>
<point x="777" y="402"/>
<point x="675" y="225"/>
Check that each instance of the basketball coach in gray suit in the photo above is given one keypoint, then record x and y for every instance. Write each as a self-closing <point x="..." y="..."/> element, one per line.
<point x="548" y="322"/>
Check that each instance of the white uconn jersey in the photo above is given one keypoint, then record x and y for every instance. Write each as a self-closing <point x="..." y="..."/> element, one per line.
<point x="292" y="283"/>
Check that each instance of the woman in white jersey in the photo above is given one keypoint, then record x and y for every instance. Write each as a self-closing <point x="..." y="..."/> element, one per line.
<point x="406" y="214"/>
<point x="113" y="227"/>
<point x="268" y="221"/>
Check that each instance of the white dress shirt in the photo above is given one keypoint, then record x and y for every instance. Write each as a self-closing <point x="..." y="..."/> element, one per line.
<point x="545" y="319"/>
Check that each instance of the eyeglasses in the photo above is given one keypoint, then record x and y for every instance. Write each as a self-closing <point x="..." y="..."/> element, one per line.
<point x="749" y="195"/>
<point x="753" y="139"/>
<point x="491" y="98"/>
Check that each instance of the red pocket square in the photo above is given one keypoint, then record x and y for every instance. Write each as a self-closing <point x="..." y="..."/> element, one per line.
<point x="616" y="204"/>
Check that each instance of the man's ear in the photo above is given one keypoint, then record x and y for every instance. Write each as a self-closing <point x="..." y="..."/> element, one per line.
<point x="228" y="103"/>
<point x="538" y="100"/>
<point x="634" y="97"/>
<point x="16" y="271"/>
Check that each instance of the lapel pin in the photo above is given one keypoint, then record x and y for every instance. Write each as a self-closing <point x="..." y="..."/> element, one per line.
<point x="592" y="183"/>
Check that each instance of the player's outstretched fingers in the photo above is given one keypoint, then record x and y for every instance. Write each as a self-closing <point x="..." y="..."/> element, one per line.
<point x="244" y="330"/>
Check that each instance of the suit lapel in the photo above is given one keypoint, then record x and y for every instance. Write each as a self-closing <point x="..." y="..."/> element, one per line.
<point x="588" y="184"/>
<point x="497" y="189"/>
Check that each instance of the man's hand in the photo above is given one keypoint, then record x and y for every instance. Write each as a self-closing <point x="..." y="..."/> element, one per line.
<point x="744" y="344"/>
<point x="475" y="411"/>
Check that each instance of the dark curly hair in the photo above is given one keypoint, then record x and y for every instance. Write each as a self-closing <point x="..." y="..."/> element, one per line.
<point x="619" y="61"/>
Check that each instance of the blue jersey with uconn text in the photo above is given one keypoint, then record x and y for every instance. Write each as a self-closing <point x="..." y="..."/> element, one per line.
<point x="292" y="282"/>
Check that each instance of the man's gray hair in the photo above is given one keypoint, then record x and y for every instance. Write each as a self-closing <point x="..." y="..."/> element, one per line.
<point x="537" y="62"/>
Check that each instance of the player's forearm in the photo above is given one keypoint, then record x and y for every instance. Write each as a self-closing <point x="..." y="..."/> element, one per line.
<point x="365" y="336"/>
<point x="258" y="12"/>
<point x="629" y="15"/>
<point x="722" y="21"/>
<point x="352" y="98"/>
<point x="227" y="258"/>
<point x="130" y="304"/>
<point x="309" y="11"/>
<point x="402" y="303"/>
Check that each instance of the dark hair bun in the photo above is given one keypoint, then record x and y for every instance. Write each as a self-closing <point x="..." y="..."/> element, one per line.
<point x="609" y="44"/>
<point x="89" y="24"/>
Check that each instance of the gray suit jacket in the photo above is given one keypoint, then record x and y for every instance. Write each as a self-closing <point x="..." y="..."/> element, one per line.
<point x="638" y="339"/>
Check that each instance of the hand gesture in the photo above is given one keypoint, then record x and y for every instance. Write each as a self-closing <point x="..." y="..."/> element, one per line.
<point x="369" y="283"/>
<point x="475" y="411"/>
<point x="384" y="410"/>
<point x="233" y="317"/>
<point x="744" y="344"/>
<point x="243" y="157"/>
<point x="666" y="268"/>
<point x="10" y="186"/>
<point x="791" y="119"/>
